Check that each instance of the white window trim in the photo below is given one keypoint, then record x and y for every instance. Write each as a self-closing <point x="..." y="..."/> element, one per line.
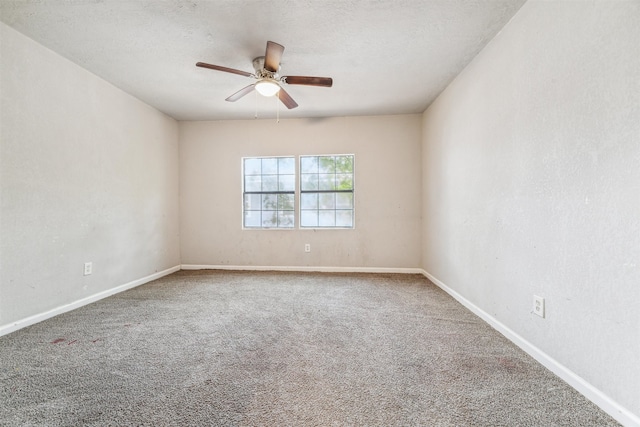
<point x="242" y="194"/>
<point x="297" y="194"/>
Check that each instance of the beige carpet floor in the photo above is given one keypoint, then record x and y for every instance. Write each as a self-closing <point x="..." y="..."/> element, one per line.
<point x="215" y="348"/>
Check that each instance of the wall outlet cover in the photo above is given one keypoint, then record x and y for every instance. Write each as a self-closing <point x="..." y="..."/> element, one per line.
<point x="538" y="306"/>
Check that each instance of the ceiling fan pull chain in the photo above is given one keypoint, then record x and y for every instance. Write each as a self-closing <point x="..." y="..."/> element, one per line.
<point x="278" y="108"/>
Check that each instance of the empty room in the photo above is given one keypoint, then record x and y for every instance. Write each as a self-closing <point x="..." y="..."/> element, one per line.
<point x="320" y="213"/>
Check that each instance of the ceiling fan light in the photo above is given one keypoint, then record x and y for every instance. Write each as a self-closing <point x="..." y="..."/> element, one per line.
<point x="267" y="87"/>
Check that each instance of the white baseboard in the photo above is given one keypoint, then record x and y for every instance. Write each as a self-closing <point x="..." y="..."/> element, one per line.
<point x="303" y="269"/>
<point x="619" y="413"/>
<point x="23" y="323"/>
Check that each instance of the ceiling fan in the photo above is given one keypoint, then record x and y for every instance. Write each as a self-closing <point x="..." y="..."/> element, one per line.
<point x="269" y="81"/>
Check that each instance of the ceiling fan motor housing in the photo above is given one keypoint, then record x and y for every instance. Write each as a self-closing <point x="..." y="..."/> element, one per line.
<point x="261" y="72"/>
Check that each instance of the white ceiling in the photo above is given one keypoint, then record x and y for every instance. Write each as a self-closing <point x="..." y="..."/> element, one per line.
<point x="385" y="56"/>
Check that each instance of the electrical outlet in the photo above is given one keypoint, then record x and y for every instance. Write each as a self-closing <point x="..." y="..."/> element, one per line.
<point x="538" y="306"/>
<point x="307" y="247"/>
<point x="88" y="268"/>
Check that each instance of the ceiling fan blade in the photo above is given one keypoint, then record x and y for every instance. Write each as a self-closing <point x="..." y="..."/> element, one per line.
<point x="225" y="69"/>
<point x="309" y="81"/>
<point x="242" y="92"/>
<point x="272" y="56"/>
<point x="286" y="99"/>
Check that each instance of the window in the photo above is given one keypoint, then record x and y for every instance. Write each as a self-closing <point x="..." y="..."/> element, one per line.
<point x="269" y="192"/>
<point x="326" y="191"/>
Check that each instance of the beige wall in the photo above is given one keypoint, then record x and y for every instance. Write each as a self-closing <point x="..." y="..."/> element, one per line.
<point x="531" y="176"/>
<point x="88" y="173"/>
<point x="387" y="192"/>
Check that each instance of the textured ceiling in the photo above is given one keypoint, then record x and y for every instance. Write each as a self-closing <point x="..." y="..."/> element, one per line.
<point x="385" y="57"/>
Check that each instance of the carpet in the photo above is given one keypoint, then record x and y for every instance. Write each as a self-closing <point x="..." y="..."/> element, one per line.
<point x="221" y="348"/>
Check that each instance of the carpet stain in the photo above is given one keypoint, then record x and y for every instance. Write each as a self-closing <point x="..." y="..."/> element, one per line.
<point x="59" y="340"/>
<point x="510" y="365"/>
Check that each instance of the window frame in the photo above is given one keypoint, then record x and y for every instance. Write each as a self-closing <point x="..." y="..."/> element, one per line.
<point x="244" y="192"/>
<point x="297" y="193"/>
<point x="318" y="191"/>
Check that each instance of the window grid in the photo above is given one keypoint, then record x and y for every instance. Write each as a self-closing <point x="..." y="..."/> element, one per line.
<point x="269" y="192"/>
<point x="326" y="191"/>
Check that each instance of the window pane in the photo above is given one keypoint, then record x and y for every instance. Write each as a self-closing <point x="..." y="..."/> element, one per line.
<point x="252" y="167"/>
<point x="253" y="183"/>
<point x="344" y="182"/>
<point x="269" y="182"/>
<point x="269" y="219"/>
<point x="344" y="218"/>
<point x="344" y="164"/>
<point x="327" y="201"/>
<point x="286" y="219"/>
<point x="309" y="201"/>
<point x="327" y="164"/>
<point x="308" y="164"/>
<point x="344" y="201"/>
<point x="326" y="182"/>
<point x="287" y="183"/>
<point x="252" y="218"/>
<point x="269" y="166"/>
<point x="285" y="202"/>
<point x="286" y="165"/>
<point x="327" y="218"/>
<point x="309" y="218"/>
<point x="252" y="202"/>
<point x="308" y="182"/>
<point x="269" y="202"/>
